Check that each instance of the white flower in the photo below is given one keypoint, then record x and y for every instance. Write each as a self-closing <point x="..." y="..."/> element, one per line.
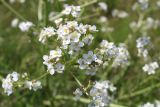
<point x="119" y="13"/>
<point x="73" y="10"/>
<point x="52" y="63"/>
<point x="25" y="26"/>
<point x="142" y="44"/>
<point x="75" y="47"/>
<point x="56" y="53"/>
<point x="100" y="94"/>
<point x="46" y="33"/>
<point x="82" y="28"/>
<point x="59" y="68"/>
<point x="7" y="83"/>
<point x="150" y="68"/>
<point x="58" y="21"/>
<point x="88" y="39"/>
<point x="122" y="58"/>
<point x="148" y="104"/>
<point x="103" y="6"/>
<point x="28" y="84"/>
<point x="14" y="22"/>
<point x="35" y="85"/>
<point x="78" y="93"/>
<point x="15" y="76"/>
<point x="92" y="28"/>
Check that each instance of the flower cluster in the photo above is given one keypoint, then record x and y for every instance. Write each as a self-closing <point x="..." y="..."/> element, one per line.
<point x="142" y="45"/>
<point x="14" y="80"/>
<point x="120" y="54"/>
<point x="89" y="62"/>
<point x="35" y="85"/>
<point x="150" y="68"/>
<point x="100" y="94"/>
<point x="122" y="58"/>
<point x="53" y="61"/>
<point x="73" y="10"/>
<point x="8" y="82"/>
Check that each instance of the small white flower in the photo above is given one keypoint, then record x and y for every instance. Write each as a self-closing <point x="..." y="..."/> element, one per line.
<point x="28" y="84"/>
<point x="59" y="68"/>
<point x="78" y="93"/>
<point x="35" y="85"/>
<point x="92" y="28"/>
<point x="46" y="33"/>
<point x="88" y="39"/>
<point x="14" y="22"/>
<point x="150" y="68"/>
<point x="73" y="10"/>
<point x="25" y="26"/>
<point x="148" y="104"/>
<point x="58" y="21"/>
<point x="15" y="76"/>
<point x="103" y="6"/>
<point x="119" y="13"/>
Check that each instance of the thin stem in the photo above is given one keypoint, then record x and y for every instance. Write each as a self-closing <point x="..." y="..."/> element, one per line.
<point x="12" y="10"/>
<point x="82" y="100"/>
<point x="42" y="76"/>
<point x="79" y="83"/>
<point x="89" y="3"/>
<point x="139" y="92"/>
<point x="40" y="10"/>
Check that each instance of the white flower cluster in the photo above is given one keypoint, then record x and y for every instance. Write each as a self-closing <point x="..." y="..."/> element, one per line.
<point x="108" y="49"/>
<point x="100" y="94"/>
<point x="72" y="35"/>
<point x="78" y="93"/>
<point x="8" y="82"/>
<point x="120" y="54"/>
<point x="142" y="45"/>
<point x="122" y="58"/>
<point x="25" y="26"/>
<point x="35" y="85"/>
<point x="14" y="80"/>
<point x="73" y="10"/>
<point x="46" y="32"/>
<point x="52" y="61"/>
<point x="89" y="62"/>
<point x="150" y="68"/>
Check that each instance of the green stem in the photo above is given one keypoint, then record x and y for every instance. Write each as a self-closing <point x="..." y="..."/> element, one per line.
<point x="82" y="100"/>
<point x="89" y="3"/>
<point x="139" y="92"/>
<point x="45" y="74"/>
<point x="12" y="10"/>
<point x="40" y="10"/>
<point x="79" y="83"/>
